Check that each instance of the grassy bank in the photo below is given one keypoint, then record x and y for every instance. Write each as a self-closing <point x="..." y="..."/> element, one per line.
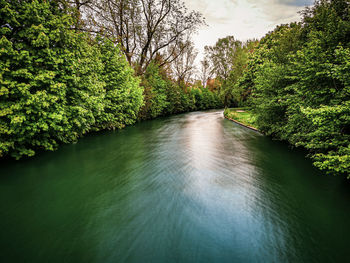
<point x="242" y="116"/>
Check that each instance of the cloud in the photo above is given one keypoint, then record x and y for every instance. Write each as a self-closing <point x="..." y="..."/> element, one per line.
<point x="280" y="11"/>
<point x="297" y="2"/>
<point x="243" y="19"/>
<point x="219" y="11"/>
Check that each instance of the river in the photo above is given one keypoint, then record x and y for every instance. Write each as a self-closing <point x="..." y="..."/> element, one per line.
<point x="189" y="188"/>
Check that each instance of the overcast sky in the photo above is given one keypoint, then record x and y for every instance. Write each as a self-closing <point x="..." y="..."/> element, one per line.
<point x="243" y="19"/>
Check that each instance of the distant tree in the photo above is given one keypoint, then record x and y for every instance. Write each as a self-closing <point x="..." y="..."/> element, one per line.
<point x="206" y="72"/>
<point x="183" y="65"/>
<point x="221" y="56"/>
<point x="213" y="84"/>
<point x="227" y="60"/>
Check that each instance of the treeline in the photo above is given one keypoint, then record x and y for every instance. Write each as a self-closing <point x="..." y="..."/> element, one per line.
<point x="225" y="63"/>
<point x="297" y="82"/>
<point x="62" y="74"/>
<point x="163" y="97"/>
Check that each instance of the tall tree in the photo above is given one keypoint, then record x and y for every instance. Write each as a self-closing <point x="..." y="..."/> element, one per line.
<point x="206" y="72"/>
<point x="183" y="65"/>
<point x="228" y="58"/>
<point x="221" y="56"/>
<point x="144" y="28"/>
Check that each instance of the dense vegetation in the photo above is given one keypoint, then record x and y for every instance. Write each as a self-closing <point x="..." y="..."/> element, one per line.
<point x="165" y="97"/>
<point x="298" y="84"/>
<point x="226" y="61"/>
<point x="71" y="67"/>
<point x="59" y="81"/>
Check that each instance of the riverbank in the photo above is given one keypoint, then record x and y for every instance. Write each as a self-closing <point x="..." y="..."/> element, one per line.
<point x="242" y="117"/>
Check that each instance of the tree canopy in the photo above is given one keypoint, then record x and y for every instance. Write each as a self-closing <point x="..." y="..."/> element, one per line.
<point x="298" y="80"/>
<point x="143" y="28"/>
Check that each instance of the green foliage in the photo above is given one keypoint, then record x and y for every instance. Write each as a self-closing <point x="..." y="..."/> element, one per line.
<point x="164" y="97"/>
<point x="330" y="136"/>
<point x="154" y="93"/>
<point x="228" y="60"/>
<point x="57" y="84"/>
<point x="123" y="95"/>
<point x="298" y="80"/>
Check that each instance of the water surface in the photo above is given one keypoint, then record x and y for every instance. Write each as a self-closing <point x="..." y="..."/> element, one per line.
<point x="188" y="188"/>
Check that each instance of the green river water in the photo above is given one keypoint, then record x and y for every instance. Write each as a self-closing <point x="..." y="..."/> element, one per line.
<point x="188" y="188"/>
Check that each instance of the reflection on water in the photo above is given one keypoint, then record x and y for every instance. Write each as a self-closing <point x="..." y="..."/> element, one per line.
<point x="189" y="188"/>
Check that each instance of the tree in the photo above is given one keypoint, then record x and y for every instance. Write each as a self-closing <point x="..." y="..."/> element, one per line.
<point x="145" y="28"/>
<point x="123" y="94"/>
<point x="183" y="65"/>
<point x="228" y="60"/>
<point x="206" y="72"/>
<point x="221" y="56"/>
<point x="155" y="94"/>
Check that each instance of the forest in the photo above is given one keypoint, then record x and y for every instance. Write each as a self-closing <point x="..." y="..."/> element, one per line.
<point x="68" y="68"/>
<point x="73" y="67"/>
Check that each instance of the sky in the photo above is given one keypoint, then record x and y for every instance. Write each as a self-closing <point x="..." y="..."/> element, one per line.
<point x="243" y="19"/>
